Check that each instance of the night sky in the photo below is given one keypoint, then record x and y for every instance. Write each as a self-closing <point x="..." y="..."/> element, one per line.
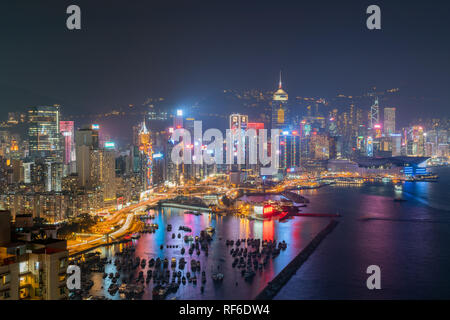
<point x="130" y="50"/>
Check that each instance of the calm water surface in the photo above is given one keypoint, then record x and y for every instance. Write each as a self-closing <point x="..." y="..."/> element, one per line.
<point x="408" y="240"/>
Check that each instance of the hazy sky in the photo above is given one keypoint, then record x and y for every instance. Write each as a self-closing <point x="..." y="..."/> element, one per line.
<point x="129" y="50"/>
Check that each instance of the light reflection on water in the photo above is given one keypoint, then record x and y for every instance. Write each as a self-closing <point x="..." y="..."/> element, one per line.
<point x="408" y="240"/>
<point x="296" y="232"/>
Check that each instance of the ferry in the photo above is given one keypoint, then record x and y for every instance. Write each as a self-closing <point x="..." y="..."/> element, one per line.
<point x="428" y="177"/>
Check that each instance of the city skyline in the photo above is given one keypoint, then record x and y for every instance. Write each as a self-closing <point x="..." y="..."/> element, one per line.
<point x="321" y="54"/>
<point x="210" y="150"/>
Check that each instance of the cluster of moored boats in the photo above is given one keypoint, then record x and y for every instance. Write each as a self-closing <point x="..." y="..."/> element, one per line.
<point x="133" y="274"/>
<point x="150" y="228"/>
<point x="254" y="254"/>
<point x="166" y="274"/>
<point x="88" y="263"/>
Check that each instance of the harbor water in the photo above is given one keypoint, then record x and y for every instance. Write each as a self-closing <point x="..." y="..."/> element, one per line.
<point x="297" y="232"/>
<point x="407" y="240"/>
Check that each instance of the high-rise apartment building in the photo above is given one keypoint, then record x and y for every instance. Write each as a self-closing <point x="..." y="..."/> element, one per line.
<point x="86" y="139"/>
<point x="103" y="172"/>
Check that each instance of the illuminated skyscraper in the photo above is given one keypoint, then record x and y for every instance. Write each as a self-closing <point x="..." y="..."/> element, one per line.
<point x="374" y="116"/>
<point x="44" y="133"/>
<point x="389" y="121"/>
<point x="319" y="146"/>
<point x="146" y="149"/>
<point x="279" y="108"/>
<point x="67" y="130"/>
<point x="416" y="142"/>
<point x="238" y="122"/>
<point x="178" y="119"/>
<point x="238" y="125"/>
<point x="289" y="150"/>
<point x="103" y="172"/>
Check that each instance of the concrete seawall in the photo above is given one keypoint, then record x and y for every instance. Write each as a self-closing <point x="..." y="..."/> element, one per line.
<point x="295" y="197"/>
<point x="274" y="286"/>
<point x="74" y="254"/>
<point x="184" y="206"/>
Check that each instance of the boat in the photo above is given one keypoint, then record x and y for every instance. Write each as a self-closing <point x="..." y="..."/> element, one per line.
<point x="184" y="228"/>
<point x="159" y="292"/>
<point x="426" y="177"/>
<point x="139" y="290"/>
<point x="113" y="288"/>
<point x="217" y="276"/>
<point x="122" y="288"/>
<point x="210" y="230"/>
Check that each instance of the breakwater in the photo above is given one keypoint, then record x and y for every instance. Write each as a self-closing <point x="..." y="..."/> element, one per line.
<point x="295" y="197"/>
<point x="283" y="277"/>
<point x="184" y="206"/>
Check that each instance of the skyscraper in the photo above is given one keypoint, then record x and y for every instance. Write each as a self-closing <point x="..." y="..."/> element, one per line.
<point x="178" y="119"/>
<point x="289" y="150"/>
<point x="67" y="130"/>
<point x="86" y="139"/>
<point x="146" y="148"/>
<point x="374" y="116"/>
<point x="389" y="121"/>
<point x="103" y="172"/>
<point x="44" y="133"/>
<point x="279" y="108"/>
<point x="238" y="122"/>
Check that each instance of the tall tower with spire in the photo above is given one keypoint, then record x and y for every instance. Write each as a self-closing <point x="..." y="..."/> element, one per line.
<point x="146" y="149"/>
<point x="374" y="114"/>
<point x="279" y="108"/>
